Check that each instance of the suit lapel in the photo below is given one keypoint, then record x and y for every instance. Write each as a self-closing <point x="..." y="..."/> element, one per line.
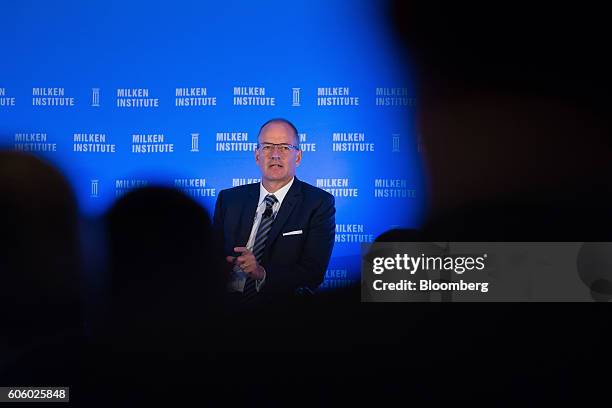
<point x="248" y="215"/>
<point x="289" y="202"/>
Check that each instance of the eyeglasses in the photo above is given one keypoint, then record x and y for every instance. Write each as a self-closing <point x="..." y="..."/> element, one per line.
<point x="282" y="147"/>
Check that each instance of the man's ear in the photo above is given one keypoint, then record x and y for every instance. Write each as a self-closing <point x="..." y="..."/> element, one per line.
<point x="298" y="158"/>
<point x="257" y="156"/>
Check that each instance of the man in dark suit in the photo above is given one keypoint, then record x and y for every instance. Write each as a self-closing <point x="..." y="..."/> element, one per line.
<point x="277" y="235"/>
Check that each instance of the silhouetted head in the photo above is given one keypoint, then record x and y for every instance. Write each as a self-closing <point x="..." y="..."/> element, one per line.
<point x="163" y="274"/>
<point x="39" y="252"/>
<point x="511" y="99"/>
<point x="156" y="233"/>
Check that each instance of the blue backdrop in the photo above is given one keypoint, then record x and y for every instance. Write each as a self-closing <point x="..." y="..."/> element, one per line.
<point x="121" y="94"/>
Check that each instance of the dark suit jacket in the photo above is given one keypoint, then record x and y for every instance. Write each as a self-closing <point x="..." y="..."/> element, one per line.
<point x="291" y="261"/>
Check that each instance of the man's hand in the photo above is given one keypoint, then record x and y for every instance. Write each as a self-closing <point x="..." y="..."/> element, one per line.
<point x="247" y="263"/>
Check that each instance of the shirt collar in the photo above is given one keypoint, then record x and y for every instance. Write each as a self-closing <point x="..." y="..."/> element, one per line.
<point x="279" y="194"/>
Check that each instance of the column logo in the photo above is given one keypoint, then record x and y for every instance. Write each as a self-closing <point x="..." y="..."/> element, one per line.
<point x="95" y="97"/>
<point x="420" y="144"/>
<point x="94" y="189"/>
<point x="295" y="97"/>
<point x="396" y="142"/>
<point x="195" y="142"/>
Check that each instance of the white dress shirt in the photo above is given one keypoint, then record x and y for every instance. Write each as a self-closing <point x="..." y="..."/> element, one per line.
<point x="238" y="278"/>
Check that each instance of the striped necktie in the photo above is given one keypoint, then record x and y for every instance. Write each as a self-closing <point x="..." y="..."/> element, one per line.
<point x="259" y="246"/>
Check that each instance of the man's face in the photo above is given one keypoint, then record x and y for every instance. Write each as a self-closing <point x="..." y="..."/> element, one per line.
<point x="277" y="166"/>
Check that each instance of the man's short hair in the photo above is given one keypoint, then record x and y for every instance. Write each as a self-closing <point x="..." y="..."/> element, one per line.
<point x="286" y="122"/>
